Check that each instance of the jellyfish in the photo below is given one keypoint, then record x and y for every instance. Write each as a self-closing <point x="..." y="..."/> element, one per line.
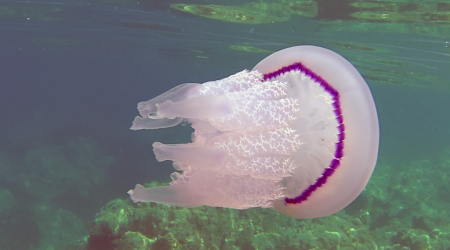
<point x="298" y="134"/>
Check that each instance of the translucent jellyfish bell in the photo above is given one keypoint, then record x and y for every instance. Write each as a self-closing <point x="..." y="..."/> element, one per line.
<point x="298" y="134"/>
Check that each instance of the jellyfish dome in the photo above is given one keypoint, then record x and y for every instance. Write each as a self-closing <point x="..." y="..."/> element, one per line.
<point x="298" y="134"/>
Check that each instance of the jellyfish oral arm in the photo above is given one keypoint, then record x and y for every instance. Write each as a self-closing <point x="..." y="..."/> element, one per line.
<point x="298" y="134"/>
<point x="239" y="152"/>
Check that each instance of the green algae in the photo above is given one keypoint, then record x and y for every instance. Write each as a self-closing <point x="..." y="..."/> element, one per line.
<point x="219" y="228"/>
<point x="250" y="49"/>
<point x="233" y="14"/>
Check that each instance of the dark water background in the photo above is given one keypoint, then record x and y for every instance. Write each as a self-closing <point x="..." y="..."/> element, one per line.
<point x="80" y="71"/>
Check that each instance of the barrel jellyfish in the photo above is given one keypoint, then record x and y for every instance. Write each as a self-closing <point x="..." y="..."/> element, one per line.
<point x="298" y="134"/>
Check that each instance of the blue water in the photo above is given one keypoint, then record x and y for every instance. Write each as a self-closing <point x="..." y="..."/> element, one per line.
<point x="77" y="69"/>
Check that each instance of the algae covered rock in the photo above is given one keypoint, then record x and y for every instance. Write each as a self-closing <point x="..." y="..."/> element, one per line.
<point x="400" y="209"/>
<point x="122" y="225"/>
<point x="79" y="165"/>
<point x="7" y="200"/>
<point x="133" y="241"/>
<point x="58" y="228"/>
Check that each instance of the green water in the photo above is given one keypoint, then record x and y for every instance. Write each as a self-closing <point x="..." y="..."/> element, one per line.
<point x="73" y="71"/>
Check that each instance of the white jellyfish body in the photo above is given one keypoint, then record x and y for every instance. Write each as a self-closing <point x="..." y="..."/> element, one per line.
<point x="298" y="134"/>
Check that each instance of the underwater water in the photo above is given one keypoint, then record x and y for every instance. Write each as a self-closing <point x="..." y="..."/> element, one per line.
<point x="73" y="72"/>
